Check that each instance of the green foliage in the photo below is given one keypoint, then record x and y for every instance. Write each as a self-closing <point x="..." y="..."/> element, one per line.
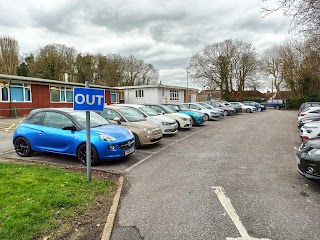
<point x="34" y="199"/>
<point x="294" y="102"/>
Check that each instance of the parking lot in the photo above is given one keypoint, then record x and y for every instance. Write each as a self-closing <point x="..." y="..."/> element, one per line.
<point x="231" y="178"/>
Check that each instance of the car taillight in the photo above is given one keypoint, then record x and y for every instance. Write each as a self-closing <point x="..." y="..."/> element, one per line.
<point x="304" y="138"/>
<point x="302" y="114"/>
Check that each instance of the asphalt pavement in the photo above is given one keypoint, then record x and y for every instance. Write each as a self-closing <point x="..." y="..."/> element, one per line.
<point x="234" y="178"/>
<point x="231" y="179"/>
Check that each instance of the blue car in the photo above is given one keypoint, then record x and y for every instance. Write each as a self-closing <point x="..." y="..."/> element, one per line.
<point x="197" y="118"/>
<point x="63" y="131"/>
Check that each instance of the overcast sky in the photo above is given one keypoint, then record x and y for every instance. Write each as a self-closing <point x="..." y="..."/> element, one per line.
<point x="165" y="33"/>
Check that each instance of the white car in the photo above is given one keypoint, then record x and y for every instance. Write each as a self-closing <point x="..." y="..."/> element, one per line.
<point x="208" y="114"/>
<point x="309" y="112"/>
<point x="245" y="108"/>
<point x="167" y="124"/>
<point x="309" y="130"/>
<point x="183" y="120"/>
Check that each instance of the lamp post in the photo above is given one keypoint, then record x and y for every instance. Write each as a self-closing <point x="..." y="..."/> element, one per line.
<point x="187" y="84"/>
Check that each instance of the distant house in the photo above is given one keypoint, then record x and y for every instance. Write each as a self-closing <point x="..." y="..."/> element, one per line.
<point x="19" y="95"/>
<point x="153" y="94"/>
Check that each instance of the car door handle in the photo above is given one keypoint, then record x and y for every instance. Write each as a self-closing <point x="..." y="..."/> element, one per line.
<point x="41" y="133"/>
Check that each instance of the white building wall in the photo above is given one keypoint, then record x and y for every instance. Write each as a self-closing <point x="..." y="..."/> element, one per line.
<point x="165" y="96"/>
<point x="154" y="95"/>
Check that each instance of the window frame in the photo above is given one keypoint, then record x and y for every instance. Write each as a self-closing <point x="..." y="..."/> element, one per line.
<point x="24" y="87"/>
<point x="117" y="96"/>
<point x="5" y="85"/>
<point x="63" y="94"/>
<point x="140" y="93"/>
<point x="174" y="95"/>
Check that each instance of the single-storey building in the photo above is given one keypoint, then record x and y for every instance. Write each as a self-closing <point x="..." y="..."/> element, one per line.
<point x="19" y="95"/>
<point x="153" y="94"/>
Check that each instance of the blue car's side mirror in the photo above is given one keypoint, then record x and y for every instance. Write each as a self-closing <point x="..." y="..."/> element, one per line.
<point x="69" y="127"/>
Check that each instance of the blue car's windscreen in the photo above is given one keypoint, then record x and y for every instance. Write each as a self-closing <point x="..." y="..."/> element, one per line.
<point x="95" y="119"/>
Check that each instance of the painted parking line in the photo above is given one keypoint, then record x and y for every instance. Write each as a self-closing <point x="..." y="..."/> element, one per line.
<point x="169" y="145"/>
<point x="8" y="128"/>
<point x="226" y="203"/>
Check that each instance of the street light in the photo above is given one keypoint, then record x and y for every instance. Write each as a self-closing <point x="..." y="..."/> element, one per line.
<point x="188" y="84"/>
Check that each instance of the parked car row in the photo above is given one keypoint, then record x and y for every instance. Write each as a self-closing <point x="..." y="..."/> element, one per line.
<point x="115" y="132"/>
<point x="308" y="154"/>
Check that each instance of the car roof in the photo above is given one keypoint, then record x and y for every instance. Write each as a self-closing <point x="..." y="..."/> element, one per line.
<point x="131" y="105"/>
<point x="116" y="106"/>
<point x="67" y="110"/>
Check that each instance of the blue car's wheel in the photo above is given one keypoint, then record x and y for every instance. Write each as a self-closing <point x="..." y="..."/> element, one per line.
<point x="22" y="147"/>
<point x="82" y="155"/>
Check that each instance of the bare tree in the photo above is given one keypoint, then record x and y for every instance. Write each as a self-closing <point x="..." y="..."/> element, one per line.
<point x="149" y="76"/>
<point x="246" y="65"/>
<point x="212" y="66"/>
<point x="272" y="64"/>
<point x="225" y="64"/>
<point x="9" y="51"/>
<point x="305" y="14"/>
<point x="133" y="70"/>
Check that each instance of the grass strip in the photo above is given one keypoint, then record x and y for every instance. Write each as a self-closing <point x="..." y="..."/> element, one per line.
<point x="34" y="199"/>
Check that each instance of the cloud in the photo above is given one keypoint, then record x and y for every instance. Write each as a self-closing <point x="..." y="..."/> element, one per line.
<point x="163" y="33"/>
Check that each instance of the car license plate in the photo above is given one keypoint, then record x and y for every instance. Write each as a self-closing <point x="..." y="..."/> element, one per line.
<point x="131" y="150"/>
<point x="298" y="160"/>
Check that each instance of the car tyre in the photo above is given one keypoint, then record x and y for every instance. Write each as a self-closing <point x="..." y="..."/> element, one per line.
<point x="136" y="141"/>
<point x="22" y="147"/>
<point x="206" y="117"/>
<point x="225" y="113"/>
<point x="278" y="107"/>
<point x="178" y="124"/>
<point x="192" y="121"/>
<point x="82" y="152"/>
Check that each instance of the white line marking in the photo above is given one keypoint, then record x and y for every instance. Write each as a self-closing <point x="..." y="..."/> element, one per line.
<point x="143" y="151"/>
<point x="146" y="158"/>
<point x="226" y="203"/>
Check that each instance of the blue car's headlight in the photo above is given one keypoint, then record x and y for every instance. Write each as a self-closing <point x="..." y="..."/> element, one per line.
<point x="107" y="138"/>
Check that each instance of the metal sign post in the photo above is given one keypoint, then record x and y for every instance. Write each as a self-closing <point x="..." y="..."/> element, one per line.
<point x="88" y="143"/>
<point x="88" y="99"/>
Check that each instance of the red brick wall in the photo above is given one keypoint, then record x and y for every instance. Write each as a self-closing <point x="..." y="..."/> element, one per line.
<point x="40" y="99"/>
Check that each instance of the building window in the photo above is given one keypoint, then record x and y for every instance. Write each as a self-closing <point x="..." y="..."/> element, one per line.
<point x="139" y="94"/>
<point x="174" y="95"/>
<point x="4" y="92"/>
<point x="162" y="92"/>
<point x="114" y="97"/>
<point x="20" y="92"/>
<point x="61" y="94"/>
